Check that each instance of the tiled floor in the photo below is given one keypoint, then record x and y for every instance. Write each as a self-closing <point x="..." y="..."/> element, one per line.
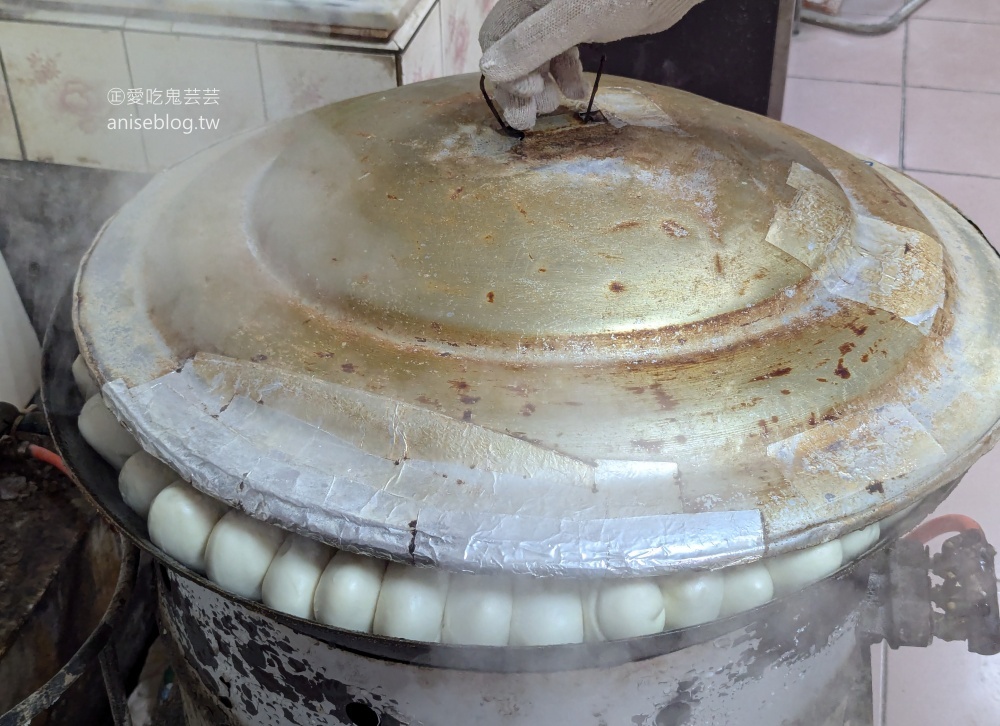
<point x="925" y="98"/>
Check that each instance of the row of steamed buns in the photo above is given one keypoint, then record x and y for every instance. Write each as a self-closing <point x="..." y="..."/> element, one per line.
<point x="311" y="580"/>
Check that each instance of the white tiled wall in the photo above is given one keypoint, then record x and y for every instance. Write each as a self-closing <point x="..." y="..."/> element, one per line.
<point x="62" y="66"/>
<point x="299" y="79"/>
<point x="193" y="66"/>
<point x="423" y="58"/>
<point x="375" y="14"/>
<point x="148" y="25"/>
<point x="59" y="79"/>
<point x="460" y="23"/>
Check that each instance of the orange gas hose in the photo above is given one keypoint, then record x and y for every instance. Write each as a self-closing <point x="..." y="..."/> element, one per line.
<point x="943" y="525"/>
<point x="49" y="457"/>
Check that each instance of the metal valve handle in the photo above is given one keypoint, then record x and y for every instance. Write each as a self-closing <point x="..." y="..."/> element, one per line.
<point x="905" y="608"/>
<point x="966" y="601"/>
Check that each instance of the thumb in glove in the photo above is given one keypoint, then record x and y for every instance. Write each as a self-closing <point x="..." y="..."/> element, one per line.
<point x="530" y="51"/>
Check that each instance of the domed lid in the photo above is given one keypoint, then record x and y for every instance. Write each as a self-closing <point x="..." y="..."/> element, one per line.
<point x="680" y="336"/>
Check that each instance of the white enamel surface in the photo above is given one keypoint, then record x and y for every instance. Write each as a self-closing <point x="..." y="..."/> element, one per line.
<point x="290" y="583"/>
<point x="858" y="542"/>
<point x="106" y="436"/>
<point x="547" y="611"/>
<point x="348" y="591"/>
<point x="181" y="520"/>
<point x="795" y="570"/>
<point x="239" y="552"/>
<point x="141" y="479"/>
<point x="411" y="603"/>
<point x="690" y="600"/>
<point x="84" y="381"/>
<point x="478" y="610"/>
<point x="629" y="609"/>
<point x="744" y="588"/>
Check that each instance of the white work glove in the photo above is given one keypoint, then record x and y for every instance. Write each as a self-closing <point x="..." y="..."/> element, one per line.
<point x="530" y="52"/>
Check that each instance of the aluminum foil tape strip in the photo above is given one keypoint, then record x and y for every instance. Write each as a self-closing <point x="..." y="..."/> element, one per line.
<point x="882" y="265"/>
<point x="409" y="517"/>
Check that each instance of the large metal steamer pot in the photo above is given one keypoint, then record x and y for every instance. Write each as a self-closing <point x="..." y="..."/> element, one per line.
<point x="801" y="659"/>
<point x="740" y="340"/>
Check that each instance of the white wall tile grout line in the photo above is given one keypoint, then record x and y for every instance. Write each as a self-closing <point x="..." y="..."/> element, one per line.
<point x="13" y="109"/>
<point x="884" y="694"/>
<point x="441" y="45"/>
<point x="260" y="80"/>
<point x="952" y="173"/>
<point x="894" y="85"/>
<point x="856" y="83"/>
<point x="131" y="81"/>
<point x="956" y="20"/>
<point x="851" y="83"/>
<point x="902" y="104"/>
<point x="954" y="90"/>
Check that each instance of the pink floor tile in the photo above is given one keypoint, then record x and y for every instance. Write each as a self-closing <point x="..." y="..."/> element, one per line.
<point x="973" y="11"/>
<point x="952" y="131"/>
<point x="859" y="117"/>
<point x="977" y="197"/>
<point x="833" y="56"/>
<point x="943" y="684"/>
<point x="945" y="131"/>
<point x="955" y="55"/>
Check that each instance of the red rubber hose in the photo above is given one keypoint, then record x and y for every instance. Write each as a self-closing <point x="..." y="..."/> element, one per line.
<point x="944" y="524"/>
<point x="49" y="457"/>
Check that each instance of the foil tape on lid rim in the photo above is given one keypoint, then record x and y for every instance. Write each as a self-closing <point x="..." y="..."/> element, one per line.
<point x="682" y="337"/>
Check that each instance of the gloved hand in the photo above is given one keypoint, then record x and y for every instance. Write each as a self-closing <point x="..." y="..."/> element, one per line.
<point x="530" y="51"/>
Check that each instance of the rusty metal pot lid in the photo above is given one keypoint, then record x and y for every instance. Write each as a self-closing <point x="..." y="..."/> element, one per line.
<point x="680" y="337"/>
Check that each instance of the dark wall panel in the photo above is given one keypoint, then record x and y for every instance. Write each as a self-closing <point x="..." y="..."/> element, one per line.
<point x="732" y="51"/>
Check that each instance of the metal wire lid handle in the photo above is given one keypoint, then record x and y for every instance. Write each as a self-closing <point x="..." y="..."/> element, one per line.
<point x="518" y="134"/>
<point x="504" y="126"/>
